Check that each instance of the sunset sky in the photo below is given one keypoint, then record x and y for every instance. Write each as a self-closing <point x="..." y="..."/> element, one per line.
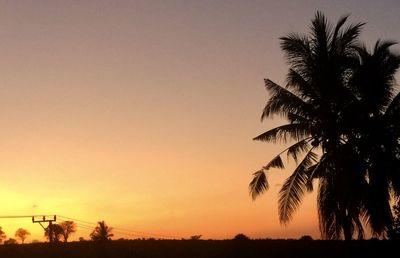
<point x="142" y="113"/>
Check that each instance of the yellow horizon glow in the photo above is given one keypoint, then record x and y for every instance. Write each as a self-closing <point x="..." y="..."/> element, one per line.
<point x="142" y="113"/>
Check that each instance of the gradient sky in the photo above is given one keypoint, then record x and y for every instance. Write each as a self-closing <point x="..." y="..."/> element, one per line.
<point x="141" y="113"/>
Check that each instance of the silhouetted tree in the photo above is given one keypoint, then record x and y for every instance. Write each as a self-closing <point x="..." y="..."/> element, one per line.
<point x="306" y="238"/>
<point x="241" y="237"/>
<point x="22" y="234"/>
<point x="2" y="235"/>
<point x="195" y="237"/>
<point x="373" y="132"/>
<point x="68" y="228"/>
<point x="311" y="101"/>
<point x="10" y="241"/>
<point x="336" y="96"/>
<point x="57" y="232"/>
<point x="102" y="232"/>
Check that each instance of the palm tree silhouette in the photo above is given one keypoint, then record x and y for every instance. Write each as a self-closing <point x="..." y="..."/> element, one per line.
<point x="368" y="164"/>
<point x="325" y="88"/>
<point x="375" y="132"/>
<point x="102" y="232"/>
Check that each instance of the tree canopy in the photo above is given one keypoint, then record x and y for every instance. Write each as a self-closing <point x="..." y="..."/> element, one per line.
<point x="55" y="231"/>
<point x="22" y="234"/>
<point x="68" y="228"/>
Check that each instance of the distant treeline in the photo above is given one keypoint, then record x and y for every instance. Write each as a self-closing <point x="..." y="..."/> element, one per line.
<point x="203" y="249"/>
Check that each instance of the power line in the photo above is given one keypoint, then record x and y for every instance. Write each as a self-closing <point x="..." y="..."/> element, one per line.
<point x="89" y="226"/>
<point x="80" y="225"/>
<point x="22" y="216"/>
<point x="145" y="233"/>
<point x="126" y="231"/>
<point x="117" y="230"/>
<point x="83" y="221"/>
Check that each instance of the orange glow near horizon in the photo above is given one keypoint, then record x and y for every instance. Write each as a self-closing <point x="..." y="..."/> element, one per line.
<point x="141" y="113"/>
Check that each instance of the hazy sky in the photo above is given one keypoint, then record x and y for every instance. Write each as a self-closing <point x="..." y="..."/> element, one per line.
<point x="141" y="113"/>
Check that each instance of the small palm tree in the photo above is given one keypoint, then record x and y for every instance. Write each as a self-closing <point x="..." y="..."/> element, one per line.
<point x="102" y="232"/>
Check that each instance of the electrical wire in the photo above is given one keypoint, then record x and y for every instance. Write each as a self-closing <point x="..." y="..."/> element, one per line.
<point x="127" y="231"/>
<point x="88" y="225"/>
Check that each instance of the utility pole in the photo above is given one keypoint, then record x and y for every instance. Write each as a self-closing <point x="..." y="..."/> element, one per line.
<point x="50" y="220"/>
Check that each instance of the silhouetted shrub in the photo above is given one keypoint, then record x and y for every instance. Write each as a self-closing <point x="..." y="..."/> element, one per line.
<point x="10" y="241"/>
<point x="241" y="237"/>
<point x="306" y="238"/>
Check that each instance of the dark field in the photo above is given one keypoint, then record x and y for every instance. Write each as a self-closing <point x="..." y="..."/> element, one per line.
<point x="204" y="248"/>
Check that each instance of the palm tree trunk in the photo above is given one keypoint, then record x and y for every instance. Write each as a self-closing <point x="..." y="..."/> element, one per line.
<point x="347" y="232"/>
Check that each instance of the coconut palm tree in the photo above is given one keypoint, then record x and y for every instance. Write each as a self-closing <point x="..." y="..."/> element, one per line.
<point x="313" y="101"/>
<point x="340" y="98"/>
<point x="375" y="131"/>
<point x="102" y="232"/>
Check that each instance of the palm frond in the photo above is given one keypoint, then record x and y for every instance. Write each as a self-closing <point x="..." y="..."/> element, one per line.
<point x="301" y="84"/>
<point x="342" y="20"/>
<point x="297" y="50"/>
<point x="283" y="133"/>
<point x="308" y="171"/>
<point x="275" y="163"/>
<point x="359" y="228"/>
<point x="328" y="210"/>
<point x="297" y="118"/>
<point x="377" y="205"/>
<point x="259" y="184"/>
<point x="394" y="106"/>
<point x="382" y="46"/>
<point x="293" y="188"/>
<point x="362" y="51"/>
<point x="321" y="167"/>
<point x="298" y="148"/>
<point x="341" y="196"/>
<point x="321" y="34"/>
<point x="283" y="101"/>
<point x="317" y="170"/>
<point x="347" y="40"/>
<point x="375" y="78"/>
<point x="395" y="177"/>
